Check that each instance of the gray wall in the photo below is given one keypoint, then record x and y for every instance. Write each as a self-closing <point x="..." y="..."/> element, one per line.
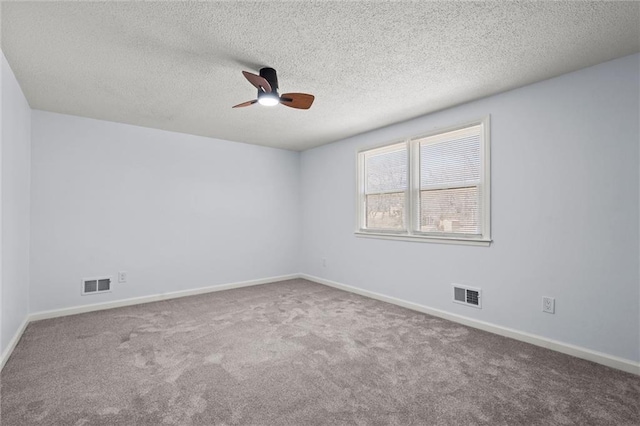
<point x="15" y="154"/>
<point x="565" y="216"/>
<point x="175" y="211"/>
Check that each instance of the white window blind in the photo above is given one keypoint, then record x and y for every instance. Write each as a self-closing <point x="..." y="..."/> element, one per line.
<point x="450" y="182"/>
<point x="433" y="187"/>
<point x="386" y="183"/>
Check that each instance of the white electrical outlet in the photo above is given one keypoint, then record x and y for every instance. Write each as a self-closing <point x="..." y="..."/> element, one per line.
<point x="549" y="305"/>
<point x="122" y="277"/>
<point x="324" y="262"/>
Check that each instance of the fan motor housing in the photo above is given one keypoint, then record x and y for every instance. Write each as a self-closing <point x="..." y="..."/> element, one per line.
<point x="270" y="75"/>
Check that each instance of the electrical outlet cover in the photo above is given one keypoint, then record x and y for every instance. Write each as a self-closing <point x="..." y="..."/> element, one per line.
<point x="549" y="305"/>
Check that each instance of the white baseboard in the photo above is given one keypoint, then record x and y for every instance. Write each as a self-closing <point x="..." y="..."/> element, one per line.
<point x="4" y="357"/>
<point x="154" y="298"/>
<point x="565" y="348"/>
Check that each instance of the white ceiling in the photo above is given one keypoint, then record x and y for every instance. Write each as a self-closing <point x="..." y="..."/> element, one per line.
<point x="177" y="66"/>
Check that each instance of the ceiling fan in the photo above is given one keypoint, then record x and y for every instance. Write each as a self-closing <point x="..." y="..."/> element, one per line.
<point x="267" y="85"/>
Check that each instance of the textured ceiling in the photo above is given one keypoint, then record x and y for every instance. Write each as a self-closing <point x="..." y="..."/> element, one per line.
<point x="177" y="65"/>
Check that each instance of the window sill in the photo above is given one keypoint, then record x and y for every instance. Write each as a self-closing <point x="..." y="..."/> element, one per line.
<point x="425" y="239"/>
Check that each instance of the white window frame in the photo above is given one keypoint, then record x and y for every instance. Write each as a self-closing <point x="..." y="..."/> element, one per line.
<point x="412" y="196"/>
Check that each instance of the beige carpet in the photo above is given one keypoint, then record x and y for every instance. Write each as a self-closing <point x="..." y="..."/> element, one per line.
<point x="296" y="353"/>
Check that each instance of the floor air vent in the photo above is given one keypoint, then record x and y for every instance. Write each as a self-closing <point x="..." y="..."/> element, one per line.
<point x="467" y="296"/>
<point x="96" y="285"/>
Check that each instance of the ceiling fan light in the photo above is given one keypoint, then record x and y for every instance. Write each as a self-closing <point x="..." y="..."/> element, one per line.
<point x="267" y="100"/>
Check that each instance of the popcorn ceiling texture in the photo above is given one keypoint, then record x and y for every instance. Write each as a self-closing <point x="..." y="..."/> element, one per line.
<point x="297" y="353"/>
<point x="177" y="65"/>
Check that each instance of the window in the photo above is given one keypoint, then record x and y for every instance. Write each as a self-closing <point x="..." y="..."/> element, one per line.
<point x="385" y="191"/>
<point x="432" y="188"/>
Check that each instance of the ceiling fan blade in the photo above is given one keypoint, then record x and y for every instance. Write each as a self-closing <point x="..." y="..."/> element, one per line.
<point x="257" y="81"/>
<point x="297" y="100"/>
<point x="245" y="104"/>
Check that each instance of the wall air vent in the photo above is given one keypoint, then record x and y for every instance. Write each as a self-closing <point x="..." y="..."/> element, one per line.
<point x="96" y="285"/>
<point x="469" y="296"/>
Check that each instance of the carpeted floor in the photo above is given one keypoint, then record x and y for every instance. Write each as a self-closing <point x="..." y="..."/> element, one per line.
<point x="296" y="353"/>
